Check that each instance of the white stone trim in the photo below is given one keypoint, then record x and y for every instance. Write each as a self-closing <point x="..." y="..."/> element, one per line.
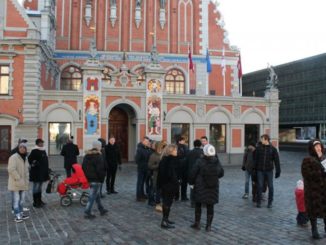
<point x="218" y="108"/>
<point x="253" y="110"/>
<point x="44" y="114"/>
<point x="23" y="14"/>
<point x="169" y="114"/>
<point x="133" y="105"/>
<point x="203" y="28"/>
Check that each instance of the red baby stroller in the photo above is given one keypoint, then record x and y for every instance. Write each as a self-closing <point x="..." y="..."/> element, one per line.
<point x="73" y="188"/>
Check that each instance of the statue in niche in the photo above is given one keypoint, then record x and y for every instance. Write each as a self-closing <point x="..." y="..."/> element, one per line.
<point x="138" y="3"/>
<point x="272" y="78"/>
<point x="92" y="48"/>
<point x="162" y="3"/>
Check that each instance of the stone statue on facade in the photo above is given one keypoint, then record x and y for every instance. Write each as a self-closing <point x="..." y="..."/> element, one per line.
<point x="113" y="2"/>
<point x="138" y="3"/>
<point x="272" y="78"/>
<point x="92" y="48"/>
<point x="162" y="4"/>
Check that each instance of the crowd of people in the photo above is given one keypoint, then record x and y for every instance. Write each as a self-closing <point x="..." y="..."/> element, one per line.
<point x="165" y="173"/>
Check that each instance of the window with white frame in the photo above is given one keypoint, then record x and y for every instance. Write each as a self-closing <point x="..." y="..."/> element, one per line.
<point x="4" y="79"/>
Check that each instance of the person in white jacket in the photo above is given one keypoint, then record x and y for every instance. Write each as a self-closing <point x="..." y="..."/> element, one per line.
<point x="18" y="181"/>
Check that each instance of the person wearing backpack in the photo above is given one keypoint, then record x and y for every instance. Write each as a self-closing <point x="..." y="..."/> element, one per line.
<point x="205" y="178"/>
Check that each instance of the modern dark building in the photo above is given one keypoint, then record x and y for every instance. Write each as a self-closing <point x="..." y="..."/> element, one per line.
<point x="302" y="91"/>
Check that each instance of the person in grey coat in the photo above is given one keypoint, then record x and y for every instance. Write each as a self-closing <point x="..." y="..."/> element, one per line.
<point x="205" y="178"/>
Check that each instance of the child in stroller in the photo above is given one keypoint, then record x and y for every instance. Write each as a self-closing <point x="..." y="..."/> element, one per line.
<point x="73" y="188"/>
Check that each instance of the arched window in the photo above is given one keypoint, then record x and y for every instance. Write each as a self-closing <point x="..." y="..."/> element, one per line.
<point x="175" y="82"/>
<point x="106" y="75"/>
<point x="71" y="78"/>
<point x="141" y="75"/>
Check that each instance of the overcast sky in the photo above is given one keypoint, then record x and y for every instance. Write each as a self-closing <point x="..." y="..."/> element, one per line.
<point x="275" y="31"/>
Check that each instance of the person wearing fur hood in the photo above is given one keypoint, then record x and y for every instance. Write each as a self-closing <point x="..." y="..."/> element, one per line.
<point x="313" y="170"/>
<point x="95" y="170"/>
<point x="39" y="171"/>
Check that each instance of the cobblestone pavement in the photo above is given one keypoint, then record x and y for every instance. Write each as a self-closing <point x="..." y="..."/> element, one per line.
<point x="236" y="221"/>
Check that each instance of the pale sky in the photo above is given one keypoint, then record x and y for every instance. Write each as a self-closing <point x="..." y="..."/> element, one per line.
<point x="274" y="31"/>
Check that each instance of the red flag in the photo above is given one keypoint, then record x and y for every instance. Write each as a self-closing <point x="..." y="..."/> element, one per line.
<point x="239" y="68"/>
<point x="191" y="64"/>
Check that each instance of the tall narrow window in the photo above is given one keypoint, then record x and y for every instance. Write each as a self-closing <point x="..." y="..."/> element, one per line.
<point x="175" y="82"/>
<point x="4" y="80"/>
<point x="71" y="78"/>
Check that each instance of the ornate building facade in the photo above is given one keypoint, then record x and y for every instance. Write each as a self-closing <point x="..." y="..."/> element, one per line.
<point x="129" y="68"/>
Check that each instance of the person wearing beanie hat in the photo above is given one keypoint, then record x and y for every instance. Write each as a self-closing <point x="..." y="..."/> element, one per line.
<point x="69" y="152"/>
<point x="247" y="166"/>
<point x="15" y="150"/>
<point x="39" y="171"/>
<point x="18" y="181"/>
<point x="313" y="170"/>
<point x="205" y="178"/>
<point x="94" y="169"/>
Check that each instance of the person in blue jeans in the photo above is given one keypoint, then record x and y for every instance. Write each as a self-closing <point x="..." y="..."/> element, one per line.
<point x="266" y="157"/>
<point x="94" y="169"/>
<point x="247" y="166"/>
<point x="18" y="181"/>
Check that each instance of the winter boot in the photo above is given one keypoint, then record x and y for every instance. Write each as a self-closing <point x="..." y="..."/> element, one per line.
<point x="196" y="225"/>
<point x="164" y="223"/>
<point x="167" y="217"/>
<point x="314" y="230"/>
<point x="36" y="202"/>
<point x="209" y="222"/>
<point x="40" y="199"/>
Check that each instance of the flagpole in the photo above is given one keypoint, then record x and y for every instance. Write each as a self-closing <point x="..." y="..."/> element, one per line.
<point x="188" y="66"/>
<point x="223" y="71"/>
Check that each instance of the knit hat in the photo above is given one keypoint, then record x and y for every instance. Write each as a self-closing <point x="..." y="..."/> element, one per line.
<point x="22" y="145"/>
<point x="97" y="144"/>
<point x="300" y="184"/>
<point x="209" y="150"/>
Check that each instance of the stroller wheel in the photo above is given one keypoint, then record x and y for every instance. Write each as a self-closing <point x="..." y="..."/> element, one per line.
<point x="84" y="199"/>
<point x="65" y="201"/>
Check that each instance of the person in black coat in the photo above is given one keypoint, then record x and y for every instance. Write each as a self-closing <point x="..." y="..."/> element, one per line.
<point x="113" y="159"/>
<point x="142" y="156"/>
<point x="39" y="171"/>
<point x="182" y="169"/>
<point x="70" y="152"/>
<point x="192" y="157"/>
<point x="205" y="178"/>
<point x="94" y="169"/>
<point x="167" y="181"/>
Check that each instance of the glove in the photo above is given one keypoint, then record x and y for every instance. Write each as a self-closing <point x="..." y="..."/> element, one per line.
<point x="243" y="168"/>
<point x="277" y="174"/>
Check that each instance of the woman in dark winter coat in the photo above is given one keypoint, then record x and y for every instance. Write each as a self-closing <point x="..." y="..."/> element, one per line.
<point x="94" y="169"/>
<point x="167" y="181"/>
<point x="313" y="170"/>
<point x="205" y="178"/>
<point x="39" y="171"/>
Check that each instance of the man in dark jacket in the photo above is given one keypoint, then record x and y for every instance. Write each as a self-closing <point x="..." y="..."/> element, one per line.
<point x="265" y="159"/>
<point x="113" y="159"/>
<point x="142" y="156"/>
<point x="70" y="152"/>
<point x="192" y="157"/>
<point x="94" y="169"/>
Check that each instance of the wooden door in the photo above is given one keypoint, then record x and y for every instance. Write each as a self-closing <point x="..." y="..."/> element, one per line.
<point x="118" y="127"/>
<point x="5" y="143"/>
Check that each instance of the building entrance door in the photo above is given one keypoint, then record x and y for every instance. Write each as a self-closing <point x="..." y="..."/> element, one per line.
<point x="5" y="143"/>
<point x="118" y="127"/>
<point x="251" y="133"/>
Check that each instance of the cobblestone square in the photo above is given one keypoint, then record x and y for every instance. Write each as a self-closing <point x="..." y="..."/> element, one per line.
<point x="236" y="221"/>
